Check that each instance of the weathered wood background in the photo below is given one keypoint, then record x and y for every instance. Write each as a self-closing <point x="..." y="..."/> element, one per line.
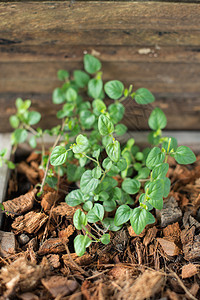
<point x="39" y="38"/>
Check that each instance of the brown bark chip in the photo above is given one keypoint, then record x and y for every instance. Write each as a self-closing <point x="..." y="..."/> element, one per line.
<point x="189" y="270"/>
<point x="60" y="286"/>
<point x="52" y="245"/>
<point x="54" y="260"/>
<point x="30" y="173"/>
<point x="191" y="243"/>
<point x="48" y="200"/>
<point x="146" y="286"/>
<point x="21" y="275"/>
<point x="170" y="213"/>
<point x="30" y="223"/>
<point x="84" y="260"/>
<point x="150" y="235"/>
<point x="64" y="210"/>
<point x="7" y="243"/>
<point x="168" y="247"/>
<point x="172" y="233"/>
<point x="66" y="233"/>
<point x="21" y="204"/>
<point x="28" y="296"/>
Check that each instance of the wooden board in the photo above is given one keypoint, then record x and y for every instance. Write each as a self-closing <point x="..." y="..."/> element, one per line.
<point x="56" y="34"/>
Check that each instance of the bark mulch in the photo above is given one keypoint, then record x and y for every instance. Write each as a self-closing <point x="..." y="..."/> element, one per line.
<point x="37" y="256"/>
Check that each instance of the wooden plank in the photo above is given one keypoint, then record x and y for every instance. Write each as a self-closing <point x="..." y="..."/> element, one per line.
<point x="100" y="23"/>
<point x="4" y="171"/>
<point x="183" y="113"/>
<point x="41" y="77"/>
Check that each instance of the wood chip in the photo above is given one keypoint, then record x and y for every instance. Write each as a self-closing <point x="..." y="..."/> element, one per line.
<point x="33" y="157"/>
<point x="84" y="260"/>
<point x="21" y="204"/>
<point x="54" y="260"/>
<point x="59" y="286"/>
<point x="170" y="213"/>
<point x="30" y="173"/>
<point x="146" y="286"/>
<point x="48" y="200"/>
<point x="133" y="234"/>
<point x="66" y="233"/>
<point x="168" y="247"/>
<point x="28" y="296"/>
<point x="21" y="275"/>
<point x="7" y="243"/>
<point x="189" y="270"/>
<point x="52" y="245"/>
<point x="30" y="223"/>
<point x="64" y="210"/>
<point x="150" y="235"/>
<point x="172" y="233"/>
<point x="191" y="244"/>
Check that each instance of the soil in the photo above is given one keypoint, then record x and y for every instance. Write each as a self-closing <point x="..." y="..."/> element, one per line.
<point x="37" y="256"/>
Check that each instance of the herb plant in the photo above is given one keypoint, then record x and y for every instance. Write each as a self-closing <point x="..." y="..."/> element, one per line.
<point x="110" y="174"/>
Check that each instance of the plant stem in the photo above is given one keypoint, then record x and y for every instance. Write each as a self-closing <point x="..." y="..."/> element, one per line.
<point x="89" y="233"/>
<point x="48" y="162"/>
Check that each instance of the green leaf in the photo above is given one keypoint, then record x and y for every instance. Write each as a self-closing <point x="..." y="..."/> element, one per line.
<point x="154" y="157"/>
<point x="105" y="126"/>
<point x="79" y="219"/>
<point x="107" y="163"/>
<point x="82" y="144"/>
<point x="87" y="206"/>
<point x="160" y="171"/>
<point x="120" y="129"/>
<point x="114" y="89"/>
<point x="14" y="121"/>
<point x="96" y="172"/>
<point x="122" y="215"/>
<point x="173" y="144"/>
<point x="143" y="173"/>
<point x="19" y="136"/>
<point x="87" y="119"/>
<point x="184" y="155"/>
<point x="58" y="96"/>
<point x="58" y="156"/>
<point x="167" y="186"/>
<point x="33" y="142"/>
<point x="99" y="211"/>
<point x="88" y="183"/>
<point x="74" y="173"/>
<point x="140" y="218"/>
<point x="81" y="242"/>
<point x="92" y="217"/>
<point x="51" y="181"/>
<point x="95" y="87"/>
<point x="98" y="107"/>
<point x="109" y="205"/>
<point x="131" y="186"/>
<point x="155" y="193"/>
<point x="144" y="96"/>
<point x="116" y="111"/>
<point x="113" y="151"/>
<point x="157" y="119"/>
<point x="33" y="117"/>
<point x="105" y="239"/>
<point x="62" y="75"/>
<point x="91" y="64"/>
<point x="121" y="164"/>
<point x="96" y="154"/>
<point x="81" y="78"/>
<point x="10" y="165"/>
<point x="22" y="106"/>
<point x="71" y="95"/>
<point x="109" y="224"/>
<point x="3" y="152"/>
<point x="74" y="198"/>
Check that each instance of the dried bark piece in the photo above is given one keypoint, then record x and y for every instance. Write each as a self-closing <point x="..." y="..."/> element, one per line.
<point x="84" y="260"/>
<point x="170" y="213"/>
<point x="133" y="234"/>
<point x="150" y="235"/>
<point x="191" y="244"/>
<point x="21" y="204"/>
<point x="52" y="245"/>
<point x="30" y="223"/>
<point x="116" y="272"/>
<point x="64" y="210"/>
<point x="7" y="243"/>
<point x="146" y="286"/>
<point x="172" y="295"/>
<point x="59" y="286"/>
<point x="54" y="260"/>
<point x="33" y="157"/>
<point x="168" y="247"/>
<point x="30" y="173"/>
<point x="28" y="296"/>
<point x="194" y="289"/>
<point x="189" y="270"/>
<point x="48" y="200"/>
<point x="21" y="275"/>
<point x="172" y="233"/>
<point x="23" y="239"/>
<point x="66" y="233"/>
